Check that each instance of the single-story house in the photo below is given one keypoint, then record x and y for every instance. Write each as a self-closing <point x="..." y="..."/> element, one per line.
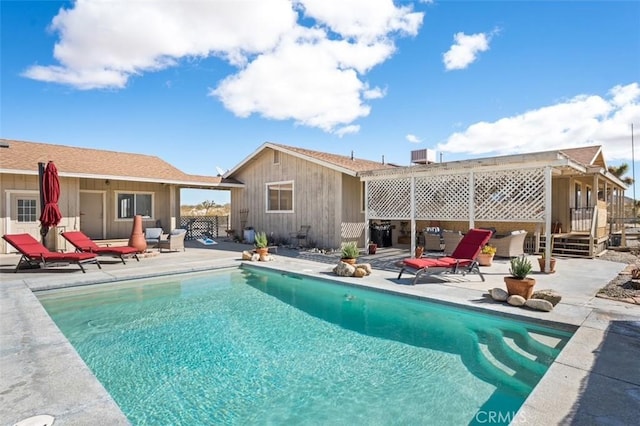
<point x="566" y="196"/>
<point x="286" y="187"/>
<point x="101" y="190"/>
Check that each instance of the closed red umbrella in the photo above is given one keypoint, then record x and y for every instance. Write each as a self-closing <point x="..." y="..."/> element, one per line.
<point x="50" y="193"/>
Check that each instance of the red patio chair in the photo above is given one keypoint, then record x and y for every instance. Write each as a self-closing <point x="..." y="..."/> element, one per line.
<point x="462" y="260"/>
<point x="34" y="253"/>
<point x="84" y="244"/>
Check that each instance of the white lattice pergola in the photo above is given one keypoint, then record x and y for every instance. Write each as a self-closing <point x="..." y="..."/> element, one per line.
<point x="483" y="193"/>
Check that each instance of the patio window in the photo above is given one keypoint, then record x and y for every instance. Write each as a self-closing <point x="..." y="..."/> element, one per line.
<point x="280" y="197"/>
<point x="27" y="210"/>
<point x="131" y="204"/>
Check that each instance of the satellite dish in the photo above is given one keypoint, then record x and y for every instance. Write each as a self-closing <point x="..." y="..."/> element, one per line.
<point x="220" y="171"/>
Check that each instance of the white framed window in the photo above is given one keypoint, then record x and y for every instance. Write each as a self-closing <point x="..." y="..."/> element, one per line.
<point x="129" y="204"/>
<point x="27" y="210"/>
<point x="279" y="197"/>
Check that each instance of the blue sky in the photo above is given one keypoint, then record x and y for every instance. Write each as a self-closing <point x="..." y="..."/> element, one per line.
<point x="202" y="84"/>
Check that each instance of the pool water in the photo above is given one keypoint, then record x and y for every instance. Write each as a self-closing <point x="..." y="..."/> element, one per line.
<point x="247" y="346"/>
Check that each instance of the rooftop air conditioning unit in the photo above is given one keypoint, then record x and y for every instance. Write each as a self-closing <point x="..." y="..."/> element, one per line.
<point x="423" y="156"/>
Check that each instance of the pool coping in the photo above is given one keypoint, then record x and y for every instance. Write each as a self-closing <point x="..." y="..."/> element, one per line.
<point x="46" y="375"/>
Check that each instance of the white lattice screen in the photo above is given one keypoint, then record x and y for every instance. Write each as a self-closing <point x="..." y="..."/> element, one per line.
<point x="499" y="195"/>
<point x="389" y="199"/>
<point x="514" y="195"/>
<point x="444" y="197"/>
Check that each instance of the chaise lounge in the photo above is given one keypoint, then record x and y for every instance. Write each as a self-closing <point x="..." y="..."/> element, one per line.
<point x="34" y="253"/>
<point x="462" y="260"/>
<point x="84" y="244"/>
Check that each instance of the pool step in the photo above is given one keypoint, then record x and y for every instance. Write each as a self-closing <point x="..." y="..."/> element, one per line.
<point x="513" y="357"/>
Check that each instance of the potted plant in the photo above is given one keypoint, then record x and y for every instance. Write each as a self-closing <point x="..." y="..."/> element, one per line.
<point x="261" y="242"/>
<point x="519" y="283"/>
<point x="486" y="255"/>
<point x="373" y="247"/>
<point x="542" y="261"/>
<point x="350" y="252"/>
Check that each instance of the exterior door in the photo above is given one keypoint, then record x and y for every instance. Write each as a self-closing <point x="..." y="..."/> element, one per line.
<point x="25" y="215"/>
<point x="92" y="214"/>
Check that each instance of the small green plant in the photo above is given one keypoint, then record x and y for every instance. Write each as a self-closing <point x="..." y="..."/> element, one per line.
<point x="350" y="250"/>
<point x="520" y="267"/>
<point x="261" y="240"/>
<point x="487" y="249"/>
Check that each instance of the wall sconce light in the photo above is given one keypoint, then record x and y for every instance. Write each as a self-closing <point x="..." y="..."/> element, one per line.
<point x="107" y="182"/>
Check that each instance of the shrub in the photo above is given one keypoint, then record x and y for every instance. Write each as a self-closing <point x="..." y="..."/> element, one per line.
<point x="520" y="267"/>
<point x="350" y="250"/>
<point x="261" y="240"/>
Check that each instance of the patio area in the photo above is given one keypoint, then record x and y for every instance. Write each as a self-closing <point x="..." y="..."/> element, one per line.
<point x="596" y="378"/>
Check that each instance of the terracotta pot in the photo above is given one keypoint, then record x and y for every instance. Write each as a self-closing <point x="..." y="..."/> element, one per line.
<point x="349" y="260"/>
<point x="522" y="287"/>
<point x="485" y="259"/>
<point x="552" y="264"/>
<point x="419" y="252"/>
<point x="373" y="248"/>
<point x="262" y="251"/>
<point x="137" y="240"/>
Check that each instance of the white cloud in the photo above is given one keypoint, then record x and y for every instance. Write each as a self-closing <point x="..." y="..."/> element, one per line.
<point x="413" y="138"/>
<point x="580" y="121"/>
<point x="351" y="129"/>
<point x="465" y="50"/>
<point x="303" y="60"/>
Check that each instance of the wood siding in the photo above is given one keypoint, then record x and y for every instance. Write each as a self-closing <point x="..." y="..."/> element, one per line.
<point x="319" y="194"/>
<point x="166" y="205"/>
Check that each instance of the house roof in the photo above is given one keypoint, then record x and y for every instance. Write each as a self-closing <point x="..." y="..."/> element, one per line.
<point x="349" y="165"/>
<point x="20" y="157"/>
<point x="569" y="161"/>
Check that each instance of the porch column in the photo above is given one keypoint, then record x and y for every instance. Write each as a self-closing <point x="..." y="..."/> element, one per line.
<point x="413" y="216"/>
<point x="547" y="217"/>
<point x="367" y="235"/>
<point x="472" y="207"/>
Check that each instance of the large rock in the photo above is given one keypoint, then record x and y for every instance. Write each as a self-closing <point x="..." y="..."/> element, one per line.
<point x="360" y="272"/>
<point x="344" y="269"/>
<point x="498" y="294"/>
<point x="516" y="300"/>
<point x="548" y="295"/>
<point x="539" y="305"/>
<point x="246" y="255"/>
<point x="365" y="266"/>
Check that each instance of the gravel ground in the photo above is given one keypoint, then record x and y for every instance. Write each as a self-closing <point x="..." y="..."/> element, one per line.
<point x="623" y="287"/>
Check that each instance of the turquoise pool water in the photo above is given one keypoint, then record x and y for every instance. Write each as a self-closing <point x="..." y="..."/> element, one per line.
<point x="245" y="346"/>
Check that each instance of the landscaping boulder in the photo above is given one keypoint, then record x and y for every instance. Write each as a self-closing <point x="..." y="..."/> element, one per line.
<point x="498" y="294"/>
<point x="366" y="267"/>
<point x="549" y="295"/>
<point x="516" y="300"/>
<point x="359" y="272"/>
<point x="344" y="269"/>
<point x="539" y="305"/>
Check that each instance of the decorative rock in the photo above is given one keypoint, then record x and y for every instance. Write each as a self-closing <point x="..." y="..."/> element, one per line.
<point x="498" y="294"/>
<point x="344" y="269"/>
<point x="255" y="257"/>
<point x="516" y="300"/>
<point x="549" y="295"/>
<point x="360" y="272"/>
<point x="539" y="305"/>
<point x="246" y="255"/>
<point x="365" y="266"/>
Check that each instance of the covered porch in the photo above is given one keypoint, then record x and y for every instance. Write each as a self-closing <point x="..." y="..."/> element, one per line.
<point x="567" y="197"/>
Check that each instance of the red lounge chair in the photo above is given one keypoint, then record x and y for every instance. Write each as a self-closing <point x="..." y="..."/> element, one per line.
<point x="84" y="244"/>
<point x="462" y="260"/>
<point x="34" y="253"/>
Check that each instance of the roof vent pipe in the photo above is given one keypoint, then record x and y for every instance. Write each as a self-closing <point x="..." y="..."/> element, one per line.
<point x="352" y="154"/>
<point x="382" y="159"/>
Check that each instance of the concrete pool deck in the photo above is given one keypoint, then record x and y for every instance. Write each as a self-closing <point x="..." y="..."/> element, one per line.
<point x="594" y="380"/>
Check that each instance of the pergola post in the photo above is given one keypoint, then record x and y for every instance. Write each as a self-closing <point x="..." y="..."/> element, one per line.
<point x="413" y="214"/>
<point x="367" y="225"/>
<point x="472" y="209"/>
<point x="547" y="217"/>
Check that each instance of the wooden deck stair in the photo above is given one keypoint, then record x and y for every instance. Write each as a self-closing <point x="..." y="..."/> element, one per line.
<point x="574" y="245"/>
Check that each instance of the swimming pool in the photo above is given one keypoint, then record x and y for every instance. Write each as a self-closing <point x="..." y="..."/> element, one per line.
<point x="247" y="346"/>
